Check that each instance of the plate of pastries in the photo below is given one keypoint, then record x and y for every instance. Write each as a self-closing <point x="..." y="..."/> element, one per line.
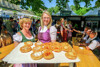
<point x="46" y="50"/>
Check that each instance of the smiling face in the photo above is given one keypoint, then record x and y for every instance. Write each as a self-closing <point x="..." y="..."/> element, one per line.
<point x="92" y="35"/>
<point x="46" y="19"/>
<point x="27" y="25"/>
<point x="88" y="32"/>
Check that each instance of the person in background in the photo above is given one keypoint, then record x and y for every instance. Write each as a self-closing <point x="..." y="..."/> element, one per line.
<point x="85" y="38"/>
<point x="88" y="38"/>
<point x="46" y="32"/>
<point x="70" y="30"/>
<point x="63" y="29"/>
<point x="37" y="25"/>
<point x="84" y="34"/>
<point x="33" y="25"/>
<point x="95" y="43"/>
<point x="24" y="35"/>
<point x="15" y="24"/>
<point x="9" y="26"/>
<point x="65" y="34"/>
<point x="62" y="26"/>
<point x="58" y="25"/>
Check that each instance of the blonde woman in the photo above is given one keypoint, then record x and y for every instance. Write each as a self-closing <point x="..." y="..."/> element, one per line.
<point x="24" y="35"/>
<point x="62" y="26"/>
<point x="47" y="33"/>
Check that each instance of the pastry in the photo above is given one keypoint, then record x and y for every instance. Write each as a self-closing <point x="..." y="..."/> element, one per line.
<point x="67" y="48"/>
<point x="38" y="43"/>
<point x="25" y="49"/>
<point x="47" y="47"/>
<point x="36" y="55"/>
<point x="57" y="48"/>
<point x="47" y="54"/>
<point x="47" y="43"/>
<point x="28" y="43"/>
<point x="71" y="55"/>
<point x="37" y="49"/>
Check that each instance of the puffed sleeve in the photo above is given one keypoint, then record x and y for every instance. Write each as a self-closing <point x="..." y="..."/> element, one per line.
<point x="17" y="37"/>
<point x="53" y="32"/>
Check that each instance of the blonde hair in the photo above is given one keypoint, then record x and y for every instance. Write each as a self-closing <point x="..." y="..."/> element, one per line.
<point x="50" y="23"/>
<point x="61" y="19"/>
<point x="24" y="20"/>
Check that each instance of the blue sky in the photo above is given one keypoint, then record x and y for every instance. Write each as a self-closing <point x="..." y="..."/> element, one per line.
<point x="53" y="3"/>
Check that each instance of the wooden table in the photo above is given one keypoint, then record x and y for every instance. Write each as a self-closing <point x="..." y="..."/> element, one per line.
<point x="6" y="50"/>
<point x="87" y="58"/>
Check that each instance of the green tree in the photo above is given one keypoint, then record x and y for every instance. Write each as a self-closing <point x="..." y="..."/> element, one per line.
<point x="62" y="3"/>
<point x="53" y="9"/>
<point x="35" y="5"/>
<point x="73" y="7"/>
<point x="56" y="9"/>
<point x="81" y="11"/>
<point x="97" y="4"/>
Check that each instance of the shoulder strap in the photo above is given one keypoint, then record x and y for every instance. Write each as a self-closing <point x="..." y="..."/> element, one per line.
<point x="22" y="34"/>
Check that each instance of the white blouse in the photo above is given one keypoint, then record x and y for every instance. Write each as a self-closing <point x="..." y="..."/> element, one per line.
<point x="53" y="31"/>
<point x="94" y="45"/>
<point x="18" y="37"/>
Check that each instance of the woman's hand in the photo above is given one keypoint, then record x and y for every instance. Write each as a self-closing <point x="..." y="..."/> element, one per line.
<point x="87" y="48"/>
<point x="16" y="43"/>
<point x="53" y="40"/>
<point x="76" y="31"/>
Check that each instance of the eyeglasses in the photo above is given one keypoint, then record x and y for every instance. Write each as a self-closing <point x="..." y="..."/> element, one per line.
<point x="46" y="18"/>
